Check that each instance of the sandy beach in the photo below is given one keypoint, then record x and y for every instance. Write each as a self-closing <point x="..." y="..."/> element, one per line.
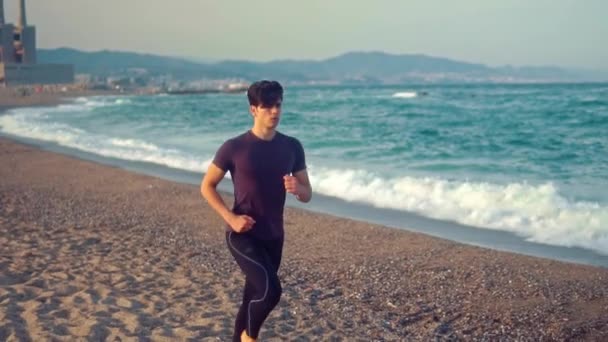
<point x="97" y="253"/>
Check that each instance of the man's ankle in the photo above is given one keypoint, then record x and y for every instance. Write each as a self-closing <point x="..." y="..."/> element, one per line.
<point x="245" y="337"/>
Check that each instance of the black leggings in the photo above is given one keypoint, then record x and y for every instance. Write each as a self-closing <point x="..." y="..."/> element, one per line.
<point x="260" y="261"/>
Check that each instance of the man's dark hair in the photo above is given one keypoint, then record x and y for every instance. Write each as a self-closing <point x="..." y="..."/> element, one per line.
<point x="265" y="93"/>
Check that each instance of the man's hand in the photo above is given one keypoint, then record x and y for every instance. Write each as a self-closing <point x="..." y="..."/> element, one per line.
<point x="241" y="223"/>
<point x="299" y="185"/>
<point x="292" y="185"/>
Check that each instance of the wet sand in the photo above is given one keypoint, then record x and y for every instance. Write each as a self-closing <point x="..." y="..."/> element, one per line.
<point x="92" y="252"/>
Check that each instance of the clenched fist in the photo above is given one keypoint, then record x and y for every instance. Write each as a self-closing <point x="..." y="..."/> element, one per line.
<point x="241" y="223"/>
<point x="292" y="185"/>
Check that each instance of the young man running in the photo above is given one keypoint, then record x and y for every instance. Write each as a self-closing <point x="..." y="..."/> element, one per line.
<point x="264" y="165"/>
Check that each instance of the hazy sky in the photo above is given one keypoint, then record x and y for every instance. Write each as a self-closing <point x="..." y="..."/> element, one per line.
<point x="494" y="32"/>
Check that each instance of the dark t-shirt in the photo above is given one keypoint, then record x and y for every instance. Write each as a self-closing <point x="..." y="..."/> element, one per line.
<point x="257" y="168"/>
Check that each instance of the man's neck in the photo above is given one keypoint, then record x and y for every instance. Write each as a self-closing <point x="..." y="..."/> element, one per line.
<point x="263" y="133"/>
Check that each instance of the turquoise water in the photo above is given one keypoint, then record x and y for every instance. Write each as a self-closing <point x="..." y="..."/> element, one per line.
<point x="528" y="159"/>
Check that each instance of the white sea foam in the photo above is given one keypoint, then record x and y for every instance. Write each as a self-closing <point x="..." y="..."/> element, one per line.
<point x="101" y="101"/>
<point x="133" y="143"/>
<point x="536" y="212"/>
<point x="406" y="94"/>
<point x="122" y="101"/>
<point x="21" y="124"/>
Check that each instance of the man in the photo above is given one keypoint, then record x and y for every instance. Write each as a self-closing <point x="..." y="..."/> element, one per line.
<point x="264" y="165"/>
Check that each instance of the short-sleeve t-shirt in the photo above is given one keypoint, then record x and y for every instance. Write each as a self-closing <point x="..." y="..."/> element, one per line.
<point x="257" y="168"/>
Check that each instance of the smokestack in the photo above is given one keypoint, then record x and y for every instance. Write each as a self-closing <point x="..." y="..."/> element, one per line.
<point x="22" y="20"/>
<point x="1" y="12"/>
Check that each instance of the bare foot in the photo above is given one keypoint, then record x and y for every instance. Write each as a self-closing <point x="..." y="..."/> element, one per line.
<point x="246" y="338"/>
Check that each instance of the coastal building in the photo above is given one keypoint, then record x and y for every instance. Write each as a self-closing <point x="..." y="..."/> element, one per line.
<point x="18" y="62"/>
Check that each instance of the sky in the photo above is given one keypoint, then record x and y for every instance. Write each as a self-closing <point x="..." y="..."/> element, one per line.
<point x="566" y="33"/>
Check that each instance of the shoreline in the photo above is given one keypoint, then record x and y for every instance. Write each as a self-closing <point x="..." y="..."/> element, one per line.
<point x="9" y="97"/>
<point x="96" y="251"/>
<point x="412" y="222"/>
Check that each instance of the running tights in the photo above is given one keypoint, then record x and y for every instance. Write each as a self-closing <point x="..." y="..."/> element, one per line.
<point x="259" y="260"/>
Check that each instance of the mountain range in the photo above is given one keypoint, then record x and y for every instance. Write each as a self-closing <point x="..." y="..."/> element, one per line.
<point x="352" y="67"/>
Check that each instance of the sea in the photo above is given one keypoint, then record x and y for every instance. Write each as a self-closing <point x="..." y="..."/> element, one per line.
<point x="517" y="167"/>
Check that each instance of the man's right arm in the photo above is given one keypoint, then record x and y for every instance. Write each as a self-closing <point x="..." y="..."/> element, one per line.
<point x="209" y="184"/>
<point x="212" y="178"/>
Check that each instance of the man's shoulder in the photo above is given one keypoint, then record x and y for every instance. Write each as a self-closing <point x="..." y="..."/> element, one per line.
<point x="236" y="139"/>
<point x="242" y="136"/>
<point x="232" y="145"/>
<point x="289" y="138"/>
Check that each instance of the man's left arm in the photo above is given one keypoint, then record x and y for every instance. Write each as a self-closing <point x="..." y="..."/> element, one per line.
<point x="305" y="191"/>
<point x="299" y="185"/>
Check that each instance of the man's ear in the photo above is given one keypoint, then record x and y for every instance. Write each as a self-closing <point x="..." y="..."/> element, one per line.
<point x="252" y="110"/>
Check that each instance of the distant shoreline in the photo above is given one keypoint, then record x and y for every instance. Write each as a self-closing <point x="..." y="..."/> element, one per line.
<point x="12" y="97"/>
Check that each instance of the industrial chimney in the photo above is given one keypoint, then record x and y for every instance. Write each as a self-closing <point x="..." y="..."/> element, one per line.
<point x="1" y="12"/>
<point x="22" y="19"/>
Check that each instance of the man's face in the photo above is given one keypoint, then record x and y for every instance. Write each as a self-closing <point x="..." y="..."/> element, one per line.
<point x="267" y="116"/>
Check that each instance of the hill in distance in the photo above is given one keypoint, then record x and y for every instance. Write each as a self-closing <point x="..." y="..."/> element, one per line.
<point x="352" y="67"/>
